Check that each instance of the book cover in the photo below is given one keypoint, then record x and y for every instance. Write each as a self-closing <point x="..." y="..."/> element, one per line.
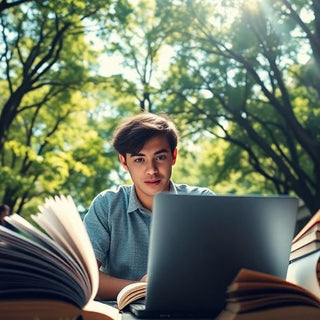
<point x="304" y="250"/>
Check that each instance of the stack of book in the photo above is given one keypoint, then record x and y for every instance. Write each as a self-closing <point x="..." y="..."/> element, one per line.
<point x="304" y="266"/>
<point x="307" y="240"/>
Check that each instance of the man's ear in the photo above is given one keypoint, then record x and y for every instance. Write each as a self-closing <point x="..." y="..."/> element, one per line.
<point x="174" y="156"/>
<point x="123" y="161"/>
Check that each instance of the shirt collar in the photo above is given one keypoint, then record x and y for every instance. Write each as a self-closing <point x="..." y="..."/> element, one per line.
<point x="173" y="188"/>
<point x="134" y="202"/>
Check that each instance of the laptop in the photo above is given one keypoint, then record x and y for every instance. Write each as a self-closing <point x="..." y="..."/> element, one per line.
<point x="199" y="243"/>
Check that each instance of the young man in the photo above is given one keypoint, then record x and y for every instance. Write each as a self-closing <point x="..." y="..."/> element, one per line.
<point x="118" y="222"/>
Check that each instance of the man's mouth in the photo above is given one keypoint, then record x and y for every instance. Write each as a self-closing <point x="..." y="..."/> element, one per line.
<point x="153" y="182"/>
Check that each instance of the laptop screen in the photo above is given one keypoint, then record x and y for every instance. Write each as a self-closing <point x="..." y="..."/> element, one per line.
<point x="199" y="243"/>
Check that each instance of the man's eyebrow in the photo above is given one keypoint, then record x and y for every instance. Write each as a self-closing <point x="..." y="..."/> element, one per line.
<point x="164" y="150"/>
<point x="136" y="154"/>
<point x="161" y="151"/>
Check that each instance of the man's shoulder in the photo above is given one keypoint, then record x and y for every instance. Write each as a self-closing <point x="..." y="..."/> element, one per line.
<point x="123" y="190"/>
<point x="111" y="201"/>
<point x="185" y="188"/>
<point x="109" y="197"/>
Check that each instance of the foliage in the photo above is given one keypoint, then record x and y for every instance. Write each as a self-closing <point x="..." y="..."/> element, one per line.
<point x="250" y="87"/>
<point x="47" y="143"/>
<point x="240" y="79"/>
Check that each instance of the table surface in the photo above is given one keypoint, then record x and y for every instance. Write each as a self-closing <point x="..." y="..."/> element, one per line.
<point x="127" y="315"/>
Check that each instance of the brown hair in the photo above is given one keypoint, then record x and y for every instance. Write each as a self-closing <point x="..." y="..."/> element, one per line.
<point x="4" y="208"/>
<point x="131" y="134"/>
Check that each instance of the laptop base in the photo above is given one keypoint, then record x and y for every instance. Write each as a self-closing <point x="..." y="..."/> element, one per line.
<point x="139" y="311"/>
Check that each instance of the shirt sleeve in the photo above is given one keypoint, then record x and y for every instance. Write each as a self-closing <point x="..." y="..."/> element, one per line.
<point x="96" y="223"/>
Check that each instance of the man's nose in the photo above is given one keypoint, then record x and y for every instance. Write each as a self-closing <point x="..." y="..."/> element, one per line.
<point x="152" y="167"/>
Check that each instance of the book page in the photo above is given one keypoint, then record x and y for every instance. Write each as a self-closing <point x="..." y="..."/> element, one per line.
<point x="130" y="293"/>
<point x="54" y="229"/>
<point x="52" y="248"/>
<point x="280" y="313"/>
<point x="304" y="251"/>
<point x="62" y="213"/>
<point x="271" y="300"/>
<point x="306" y="238"/>
<point x="252" y="290"/>
<point x="96" y="310"/>
<point x="303" y="272"/>
<point x="249" y="281"/>
<point x="31" y="309"/>
<point x="314" y="220"/>
<point x="28" y="268"/>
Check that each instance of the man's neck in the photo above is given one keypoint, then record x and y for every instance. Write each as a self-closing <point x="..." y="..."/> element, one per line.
<point x="147" y="201"/>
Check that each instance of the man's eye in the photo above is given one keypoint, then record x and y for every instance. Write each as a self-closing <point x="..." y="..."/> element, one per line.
<point x="139" y="160"/>
<point x="162" y="157"/>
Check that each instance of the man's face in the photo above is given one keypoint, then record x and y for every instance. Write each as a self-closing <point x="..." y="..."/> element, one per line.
<point x="150" y="169"/>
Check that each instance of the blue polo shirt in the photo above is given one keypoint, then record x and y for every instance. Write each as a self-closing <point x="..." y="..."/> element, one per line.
<point x="119" y="228"/>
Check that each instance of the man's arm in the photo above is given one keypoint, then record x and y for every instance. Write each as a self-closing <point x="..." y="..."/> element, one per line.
<point x="109" y="287"/>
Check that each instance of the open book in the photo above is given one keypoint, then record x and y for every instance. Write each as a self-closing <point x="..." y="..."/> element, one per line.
<point x="48" y="269"/>
<point x="255" y="295"/>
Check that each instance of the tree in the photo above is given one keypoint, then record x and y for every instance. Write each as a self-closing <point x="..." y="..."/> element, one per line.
<point x="46" y="139"/>
<point x="239" y="74"/>
<point x="5" y="5"/>
<point x="139" y="40"/>
<point x="33" y="37"/>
